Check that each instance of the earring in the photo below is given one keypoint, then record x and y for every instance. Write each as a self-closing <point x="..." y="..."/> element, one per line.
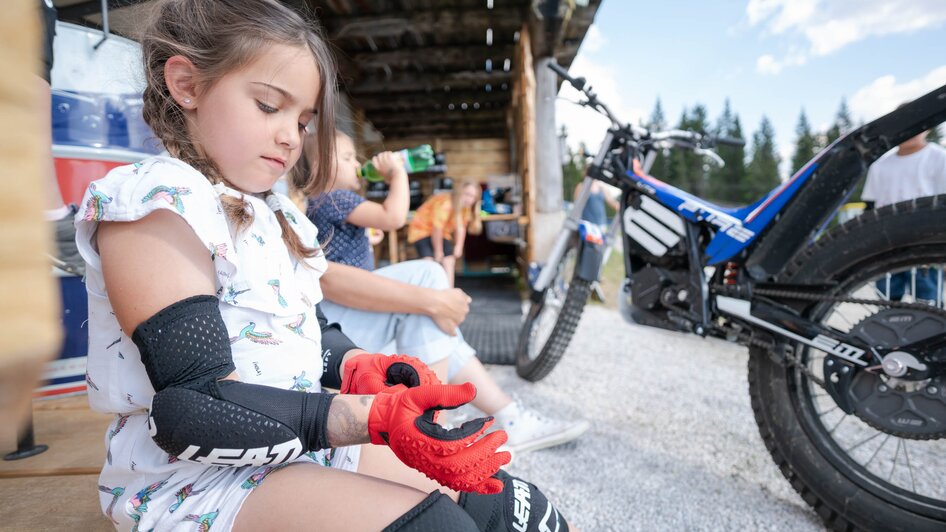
<point x="187" y="101"/>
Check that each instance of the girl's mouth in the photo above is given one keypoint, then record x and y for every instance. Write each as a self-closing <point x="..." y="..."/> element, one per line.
<point x="276" y="162"/>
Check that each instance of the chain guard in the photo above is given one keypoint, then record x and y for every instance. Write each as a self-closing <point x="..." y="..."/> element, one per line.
<point x="905" y="408"/>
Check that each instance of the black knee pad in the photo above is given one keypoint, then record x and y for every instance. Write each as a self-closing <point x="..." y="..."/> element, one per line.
<point x="520" y="507"/>
<point x="435" y="513"/>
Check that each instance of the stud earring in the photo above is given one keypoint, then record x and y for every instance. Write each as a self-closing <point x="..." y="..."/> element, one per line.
<point x="187" y="101"/>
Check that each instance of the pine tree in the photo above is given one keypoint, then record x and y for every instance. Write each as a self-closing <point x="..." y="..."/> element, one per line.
<point x="686" y="169"/>
<point x="573" y="171"/>
<point x="806" y="143"/>
<point x="763" y="168"/>
<point x="723" y="183"/>
<point x="657" y="121"/>
<point x="662" y="168"/>
<point x="935" y="135"/>
<point x="842" y="123"/>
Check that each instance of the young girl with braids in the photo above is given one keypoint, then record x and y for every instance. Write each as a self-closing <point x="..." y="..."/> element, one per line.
<point x="206" y="340"/>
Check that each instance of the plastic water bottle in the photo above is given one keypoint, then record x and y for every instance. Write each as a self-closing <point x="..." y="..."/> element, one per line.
<point x="415" y="160"/>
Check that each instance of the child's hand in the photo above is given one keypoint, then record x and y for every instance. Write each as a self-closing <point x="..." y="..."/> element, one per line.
<point x="390" y="165"/>
<point x="375" y="236"/>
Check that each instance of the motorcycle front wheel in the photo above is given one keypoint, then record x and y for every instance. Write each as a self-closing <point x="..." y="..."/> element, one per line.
<point x="551" y="321"/>
<point x="855" y="473"/>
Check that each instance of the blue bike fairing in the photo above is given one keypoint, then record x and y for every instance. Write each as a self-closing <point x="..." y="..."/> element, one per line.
<point x="737" y="228"/>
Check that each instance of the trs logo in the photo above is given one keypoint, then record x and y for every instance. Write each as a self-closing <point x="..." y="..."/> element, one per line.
<point x="732" y="227"/>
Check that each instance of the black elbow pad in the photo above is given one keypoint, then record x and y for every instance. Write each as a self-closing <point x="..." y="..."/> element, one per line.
<point x="196" y="416"/>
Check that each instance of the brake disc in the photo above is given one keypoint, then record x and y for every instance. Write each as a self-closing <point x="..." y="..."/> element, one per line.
<point x="911" y="404"/>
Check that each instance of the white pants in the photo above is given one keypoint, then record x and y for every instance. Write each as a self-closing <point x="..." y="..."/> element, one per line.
<point x="409" y="334"/>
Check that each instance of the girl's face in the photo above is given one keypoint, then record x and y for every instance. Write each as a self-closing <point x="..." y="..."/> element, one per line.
<point x="346" y="165"/>
<point x="251" y="121"/>
<point x="469" y="196"/>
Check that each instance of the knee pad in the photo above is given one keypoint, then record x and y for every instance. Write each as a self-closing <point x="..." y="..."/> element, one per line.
<point x="520" y="507"/>
<point x="436" y="512"/>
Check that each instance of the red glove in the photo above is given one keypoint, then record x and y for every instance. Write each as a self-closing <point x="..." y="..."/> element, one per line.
<point x="368" y="374"/>
<point x="403" y="418"/>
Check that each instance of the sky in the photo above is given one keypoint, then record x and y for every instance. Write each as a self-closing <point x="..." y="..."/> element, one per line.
<point x="768" y="57"/>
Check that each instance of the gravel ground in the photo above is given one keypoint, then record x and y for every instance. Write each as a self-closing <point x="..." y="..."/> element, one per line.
<point x="673" y="444"/>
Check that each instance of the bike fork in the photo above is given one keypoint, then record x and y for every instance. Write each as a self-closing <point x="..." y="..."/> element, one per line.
<point x="569" y="228"/>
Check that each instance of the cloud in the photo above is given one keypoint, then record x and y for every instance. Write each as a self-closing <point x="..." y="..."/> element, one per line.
<point x="767" y="64"/>
<point x="583" y="124"/>
<point x="593" y="41"/>
<point x="829" y="25"/>
<point x="884" y="94"/>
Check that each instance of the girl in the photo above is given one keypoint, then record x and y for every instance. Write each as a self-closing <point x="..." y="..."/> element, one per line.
<point x="439" y="227"/>
<point x="205" y="338"/>
<point x="343" y="214"/>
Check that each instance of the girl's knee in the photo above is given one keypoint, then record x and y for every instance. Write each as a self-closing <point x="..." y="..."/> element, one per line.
<point x="429" y="274"/>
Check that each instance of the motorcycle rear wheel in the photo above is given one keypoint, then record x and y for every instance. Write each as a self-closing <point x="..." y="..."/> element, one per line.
<point x="847" y="490"/>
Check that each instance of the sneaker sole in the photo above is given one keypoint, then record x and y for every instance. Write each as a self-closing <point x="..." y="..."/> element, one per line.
<point x="551" y="440"/>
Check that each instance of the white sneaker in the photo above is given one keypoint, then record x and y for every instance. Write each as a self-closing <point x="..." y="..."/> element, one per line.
<point x="530" y="431"/>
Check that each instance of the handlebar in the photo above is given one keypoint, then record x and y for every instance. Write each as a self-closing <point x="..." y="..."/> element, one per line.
<point x="578" y="83"/>
<point x="697" y="142"/>
<point x="730" y="141"/>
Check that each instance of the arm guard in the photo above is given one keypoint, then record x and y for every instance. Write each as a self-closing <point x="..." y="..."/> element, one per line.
<point x="196" y="416"/>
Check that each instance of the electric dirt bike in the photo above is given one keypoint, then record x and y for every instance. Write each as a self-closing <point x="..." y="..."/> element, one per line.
<point x="847" y="377"/>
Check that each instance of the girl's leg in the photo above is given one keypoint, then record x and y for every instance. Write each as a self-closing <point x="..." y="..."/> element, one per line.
<point x="307" y="497"/>
<point x="449" y="266"/>
<point x="490" y="398"/>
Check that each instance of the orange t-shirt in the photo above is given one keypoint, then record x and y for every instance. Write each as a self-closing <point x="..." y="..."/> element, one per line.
<point x="437" y="212"/>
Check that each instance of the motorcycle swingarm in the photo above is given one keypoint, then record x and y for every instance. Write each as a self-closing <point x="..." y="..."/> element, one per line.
<point x="787" y="324"/>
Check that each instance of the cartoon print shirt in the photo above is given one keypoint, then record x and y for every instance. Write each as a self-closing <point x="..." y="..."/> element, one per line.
<point x="266" y="297"/>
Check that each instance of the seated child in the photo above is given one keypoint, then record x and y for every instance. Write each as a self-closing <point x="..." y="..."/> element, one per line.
<point x="439" y="227"/>
<point x="343" y="214"/>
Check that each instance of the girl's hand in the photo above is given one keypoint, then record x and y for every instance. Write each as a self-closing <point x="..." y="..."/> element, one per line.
<point x="438" y="258"/>
<point x="390" y="165"/>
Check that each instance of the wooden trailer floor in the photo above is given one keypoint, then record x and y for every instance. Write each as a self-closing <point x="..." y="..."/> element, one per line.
<point x="57" y="489"/>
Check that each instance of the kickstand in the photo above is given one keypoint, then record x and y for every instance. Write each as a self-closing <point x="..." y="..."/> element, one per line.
<point x="25" y="443"/>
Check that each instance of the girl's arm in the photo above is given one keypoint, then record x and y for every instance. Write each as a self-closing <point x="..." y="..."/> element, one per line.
<point x="356" y="288"/>
<point x="136" y="257"/>
<point x="391" y="214"/>
<point x="459" y="239"/>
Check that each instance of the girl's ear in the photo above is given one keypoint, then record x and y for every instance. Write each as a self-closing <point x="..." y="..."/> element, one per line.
<point x="180" y="75"/>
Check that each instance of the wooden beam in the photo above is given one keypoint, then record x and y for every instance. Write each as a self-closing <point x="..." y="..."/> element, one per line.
<point x="428" y="81"/>
<point x="398" y="117"/>
<point x="444" y="130"/>
<point x="77" y="12"/>
<point x="473" y="57"/>
<point x="430" y="21"/>
<point x="434" y="100"/>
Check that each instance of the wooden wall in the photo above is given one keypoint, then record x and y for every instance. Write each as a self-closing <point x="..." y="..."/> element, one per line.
<point x="466" y="158"/>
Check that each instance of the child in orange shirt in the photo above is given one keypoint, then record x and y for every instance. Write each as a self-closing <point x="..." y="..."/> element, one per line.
<point x="440" y="225"/>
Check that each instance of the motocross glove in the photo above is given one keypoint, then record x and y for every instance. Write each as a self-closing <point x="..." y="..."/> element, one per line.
<point x="368" y="374"/>
<point x="403" y="419"/>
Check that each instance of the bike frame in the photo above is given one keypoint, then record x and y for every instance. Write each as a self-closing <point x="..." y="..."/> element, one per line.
<point x="802" y="204"/>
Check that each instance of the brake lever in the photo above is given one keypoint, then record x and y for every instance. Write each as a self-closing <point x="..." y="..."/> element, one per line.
<point x="712" y="155"/>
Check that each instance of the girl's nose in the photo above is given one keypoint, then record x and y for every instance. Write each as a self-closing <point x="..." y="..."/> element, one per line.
<point x="288" y="135"/>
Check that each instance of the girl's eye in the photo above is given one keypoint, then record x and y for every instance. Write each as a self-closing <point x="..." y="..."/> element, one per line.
<point x="265" y="108"/>
<point x="303" y="127"/>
